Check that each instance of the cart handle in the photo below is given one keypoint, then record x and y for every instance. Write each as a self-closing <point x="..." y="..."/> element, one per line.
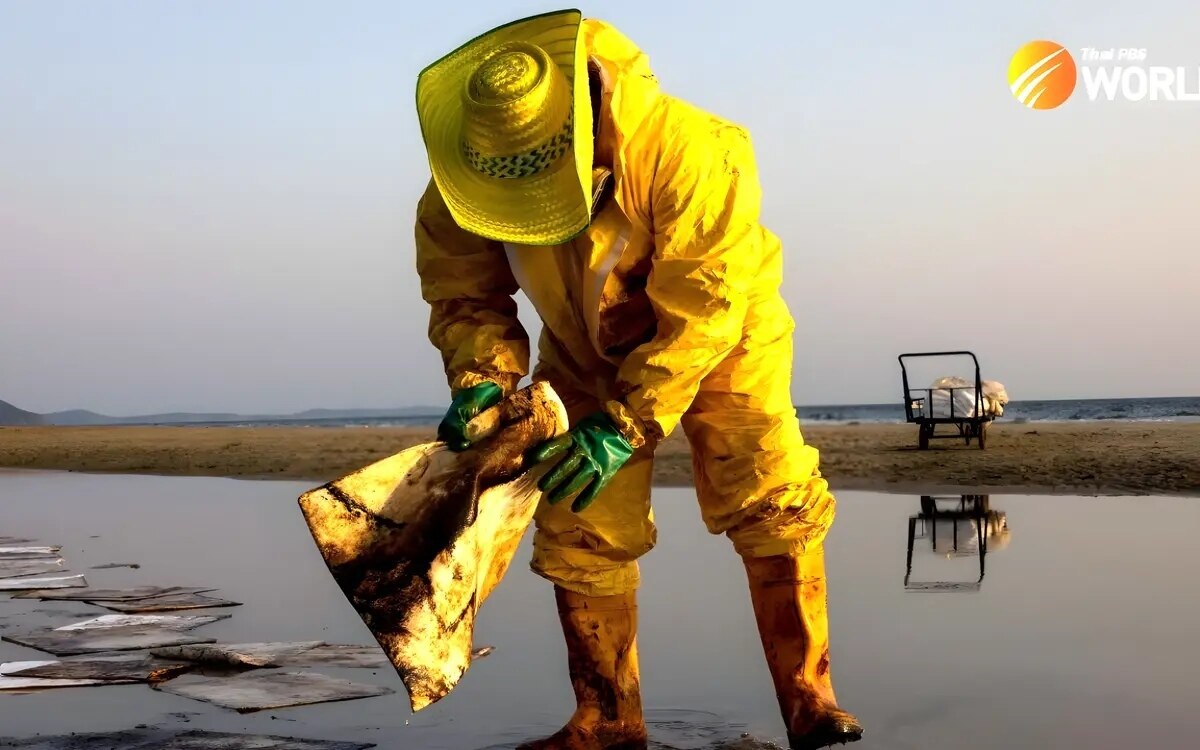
<point x="940" y="354"/>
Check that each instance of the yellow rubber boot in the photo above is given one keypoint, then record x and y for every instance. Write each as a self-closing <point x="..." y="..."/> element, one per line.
<point x="601" y="634"/>
<point x="793" y="621"/>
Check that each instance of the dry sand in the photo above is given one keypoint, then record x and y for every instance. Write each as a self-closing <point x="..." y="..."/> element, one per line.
<point x="1118" y="458"/>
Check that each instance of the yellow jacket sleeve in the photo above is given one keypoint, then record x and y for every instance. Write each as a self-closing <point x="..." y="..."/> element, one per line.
<point x="469" y="286"/>
<point x="705" y="211"/>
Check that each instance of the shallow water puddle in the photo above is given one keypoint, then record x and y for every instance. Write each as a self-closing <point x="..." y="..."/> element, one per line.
<point x="669" y="729"/>
<point x="1062" y="585"/>
<point x="258" y="691"/>
<point x="192" y="740"/>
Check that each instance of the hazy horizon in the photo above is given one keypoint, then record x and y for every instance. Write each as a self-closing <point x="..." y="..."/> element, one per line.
<point x="429" y="410"/>
<point x="815" y="413"/>
<point x="208" y="207"/>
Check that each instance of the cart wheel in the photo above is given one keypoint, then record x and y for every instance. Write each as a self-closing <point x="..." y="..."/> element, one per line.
<point x="983" y="431"/>
<point x="923" y="437"/>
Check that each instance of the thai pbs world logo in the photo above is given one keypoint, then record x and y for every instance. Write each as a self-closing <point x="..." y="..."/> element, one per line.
<point x="1043" y="75"/>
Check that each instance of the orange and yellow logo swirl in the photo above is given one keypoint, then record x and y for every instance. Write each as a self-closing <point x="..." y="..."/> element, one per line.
<point x="1042" y="75"/>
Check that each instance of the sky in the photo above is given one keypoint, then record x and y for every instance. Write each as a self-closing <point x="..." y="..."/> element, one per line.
<point x="209" y="206"/>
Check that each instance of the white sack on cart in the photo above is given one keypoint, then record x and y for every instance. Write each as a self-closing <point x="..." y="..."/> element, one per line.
<point x="962" y="392"/>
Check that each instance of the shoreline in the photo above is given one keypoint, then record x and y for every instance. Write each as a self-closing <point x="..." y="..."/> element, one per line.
<point x="1101" y="458"/>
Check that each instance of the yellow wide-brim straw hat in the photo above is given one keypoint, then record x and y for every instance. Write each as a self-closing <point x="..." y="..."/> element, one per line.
<point x="507" y="124"/>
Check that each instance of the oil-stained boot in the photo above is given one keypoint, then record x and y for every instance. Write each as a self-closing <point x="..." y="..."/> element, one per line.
<point x="601" y="634"/>
<point x="793" y="621"/>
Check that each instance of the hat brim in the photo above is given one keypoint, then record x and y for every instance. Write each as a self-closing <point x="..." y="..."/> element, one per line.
<point x="547" y="208"/>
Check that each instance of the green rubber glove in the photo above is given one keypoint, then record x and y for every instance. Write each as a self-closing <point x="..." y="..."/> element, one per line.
<point x="465" y="406"/>
<point x="591" y="452"/>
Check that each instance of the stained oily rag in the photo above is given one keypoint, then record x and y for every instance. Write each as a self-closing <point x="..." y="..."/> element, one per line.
<point x="418" y="540"/>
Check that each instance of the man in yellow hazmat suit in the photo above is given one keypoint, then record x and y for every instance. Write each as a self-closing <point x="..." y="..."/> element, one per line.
<point x="630" y="219"/>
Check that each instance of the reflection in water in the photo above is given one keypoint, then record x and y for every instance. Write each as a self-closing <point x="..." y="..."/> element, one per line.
<point x="1045" y="657"/>
<point x="674" y="729"/>
<point x="956" y="527"/>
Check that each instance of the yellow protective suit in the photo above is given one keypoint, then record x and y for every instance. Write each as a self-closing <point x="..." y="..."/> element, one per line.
<point x="667" y="309"/>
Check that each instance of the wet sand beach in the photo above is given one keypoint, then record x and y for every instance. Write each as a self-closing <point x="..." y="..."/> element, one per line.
<point x="1089" y="458"/>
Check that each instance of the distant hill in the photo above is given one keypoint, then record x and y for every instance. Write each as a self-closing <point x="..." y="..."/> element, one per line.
<point x="408" y="411"/>
<point x="11" y="416"/>
<point x="74" y="417"/>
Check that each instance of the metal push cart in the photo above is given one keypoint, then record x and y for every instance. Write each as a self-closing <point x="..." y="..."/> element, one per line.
<point x="918" y="406"/>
